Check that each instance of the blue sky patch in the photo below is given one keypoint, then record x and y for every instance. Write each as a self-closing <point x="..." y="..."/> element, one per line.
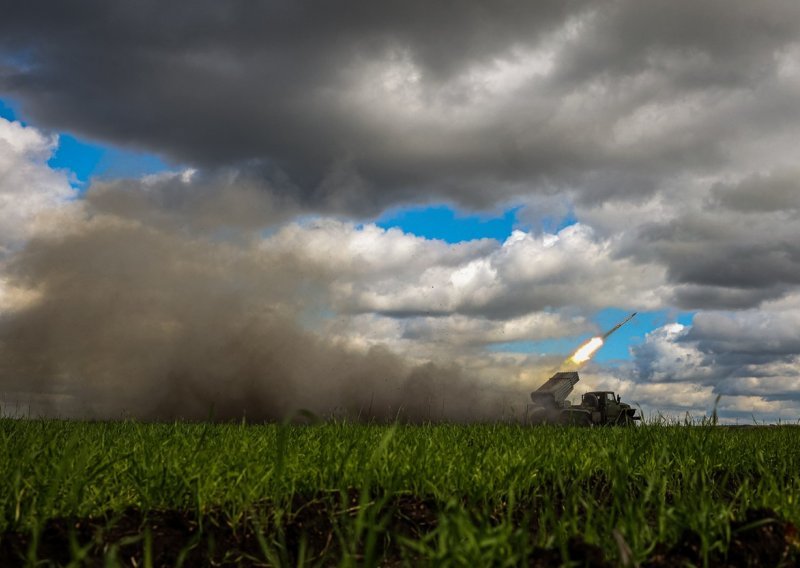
<point x="118" y="162"/>
<point x="7" y="110"/>
<point x="88" y="159"/>
<point x="79" y="157"/>
<point x="441" y="221"/>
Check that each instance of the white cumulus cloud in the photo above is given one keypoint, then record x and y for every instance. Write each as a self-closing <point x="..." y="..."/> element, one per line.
<point x="28" y="186"/>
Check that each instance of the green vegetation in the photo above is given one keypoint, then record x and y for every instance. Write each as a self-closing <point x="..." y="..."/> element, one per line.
<point x="486" y="494"/>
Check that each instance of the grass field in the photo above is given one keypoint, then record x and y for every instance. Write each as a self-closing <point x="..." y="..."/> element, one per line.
<point x="341" y="493"/>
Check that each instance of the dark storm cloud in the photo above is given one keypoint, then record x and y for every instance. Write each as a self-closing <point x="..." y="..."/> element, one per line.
<point x="694" y="45"/>
<point x="300" y="93"/>
<point x="775" y="191"/>
<point x="748" y="333"/>
<point x="722" y="259"/>
<point x="694" y="296"/>
<point x="244" y="83"/>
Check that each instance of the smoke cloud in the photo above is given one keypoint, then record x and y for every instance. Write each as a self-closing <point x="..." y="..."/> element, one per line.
<point x="130" y="317"/>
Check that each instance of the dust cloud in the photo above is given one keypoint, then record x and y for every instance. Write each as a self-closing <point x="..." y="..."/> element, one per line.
<point x="158" y="321"/>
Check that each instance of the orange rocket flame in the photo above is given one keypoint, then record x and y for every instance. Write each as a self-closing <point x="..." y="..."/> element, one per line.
<point x="585" y="351"/>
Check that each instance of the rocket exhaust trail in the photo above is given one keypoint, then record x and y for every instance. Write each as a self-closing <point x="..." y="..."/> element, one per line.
<point x="585" y="351"/>
<point x="619" y="325"/>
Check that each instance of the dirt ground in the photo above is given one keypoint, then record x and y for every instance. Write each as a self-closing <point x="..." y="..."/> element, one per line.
<point x="174" y="536"/>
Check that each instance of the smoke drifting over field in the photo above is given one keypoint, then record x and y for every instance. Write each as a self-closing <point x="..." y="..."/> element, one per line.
<point x="158" y="322"/>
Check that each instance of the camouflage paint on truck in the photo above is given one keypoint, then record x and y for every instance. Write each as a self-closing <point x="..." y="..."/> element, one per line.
<point x="550" y="405"/>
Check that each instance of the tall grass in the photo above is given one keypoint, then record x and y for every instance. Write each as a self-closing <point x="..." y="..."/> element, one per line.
<point x="501" y="489"/>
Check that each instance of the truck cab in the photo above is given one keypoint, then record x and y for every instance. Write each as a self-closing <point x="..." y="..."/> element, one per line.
<point x="606" y="408"/>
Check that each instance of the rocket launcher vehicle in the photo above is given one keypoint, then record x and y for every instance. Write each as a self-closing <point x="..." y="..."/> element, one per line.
<point x="550" y="404"/>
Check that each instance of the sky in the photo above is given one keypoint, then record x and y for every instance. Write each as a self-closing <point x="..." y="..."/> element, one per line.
<point x="426" y="198"/>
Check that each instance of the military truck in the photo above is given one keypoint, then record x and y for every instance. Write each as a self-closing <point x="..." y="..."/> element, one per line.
<point x="550" y="405"/>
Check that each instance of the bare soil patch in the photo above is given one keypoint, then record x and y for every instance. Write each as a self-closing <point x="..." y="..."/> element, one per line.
<point x="318" y="524"/>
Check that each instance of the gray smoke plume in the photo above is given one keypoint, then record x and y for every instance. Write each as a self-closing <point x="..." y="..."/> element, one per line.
<point x="157" y="320"/>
